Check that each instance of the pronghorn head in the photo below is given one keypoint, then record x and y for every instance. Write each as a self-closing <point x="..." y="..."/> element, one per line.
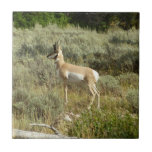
<point x="56" y="51"/>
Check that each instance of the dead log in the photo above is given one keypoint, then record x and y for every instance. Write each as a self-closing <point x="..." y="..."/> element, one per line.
<point x="36" y="135"/>
<point x="21" y="134"/>
<point x="47" y="126"/>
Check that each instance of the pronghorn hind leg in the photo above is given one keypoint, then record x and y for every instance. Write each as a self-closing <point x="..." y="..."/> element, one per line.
<point x="93" y="96"/>
<point x="98" y="94"/>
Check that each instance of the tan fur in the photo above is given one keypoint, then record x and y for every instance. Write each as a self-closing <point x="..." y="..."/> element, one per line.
<point x="86" y="72"/>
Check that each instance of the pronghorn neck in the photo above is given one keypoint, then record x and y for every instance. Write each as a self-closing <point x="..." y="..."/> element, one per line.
<point x="60" y="59"/>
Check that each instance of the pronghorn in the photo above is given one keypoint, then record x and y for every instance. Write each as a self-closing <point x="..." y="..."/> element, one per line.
<point x="72" y="73"/>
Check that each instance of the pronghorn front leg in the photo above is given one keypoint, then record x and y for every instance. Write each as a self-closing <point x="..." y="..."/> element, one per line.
<point x="65" y="92"/>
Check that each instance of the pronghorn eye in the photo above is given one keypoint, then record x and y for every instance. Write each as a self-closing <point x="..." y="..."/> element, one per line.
<point x="56" y="56"/>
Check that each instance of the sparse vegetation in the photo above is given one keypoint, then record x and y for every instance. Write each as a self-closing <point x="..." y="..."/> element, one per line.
<point x="109" y="85"/>
<point x="38" y="95"/>
<point x="133" y="99"/>
<point x="105" y="124"/>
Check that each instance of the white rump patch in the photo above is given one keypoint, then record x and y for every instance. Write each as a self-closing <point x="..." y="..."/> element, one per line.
<point x="74" y="77"/>
<point x="96" y="75"/>
<point x="60" y="52"/>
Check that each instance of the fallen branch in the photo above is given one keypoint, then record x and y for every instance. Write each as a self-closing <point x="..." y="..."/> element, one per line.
<point x="36" y="135"/>
<point x="21" y="134"/>
<point x="47" y="126"/>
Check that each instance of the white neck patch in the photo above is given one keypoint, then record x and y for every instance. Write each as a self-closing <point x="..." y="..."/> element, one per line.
<point x="52" y="56"/>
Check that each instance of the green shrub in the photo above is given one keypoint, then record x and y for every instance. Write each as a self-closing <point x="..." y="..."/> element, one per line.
<point x="38" y="48"/>
<point x="80" y="47"/>
<point x="116" y="59"/>
<point x="21" y="76"/>
<point x="49" y="104"/>
<point x="29" y="19"/>
<point x="20" y="95"/>
<point x="105" y="124"/>
<point x="129" y="62"/>
<point x="37" y="106"/>
<point x="129" y="79"/>
<point x="37" y="95"/>
<point x="43" y="70"/>
<point x="98" y="61"/>
<point x="18" y="109"/>
<point x="133" y="100"/>
<point x="20" y="99"/>
<point x="94" y="21"/>
<point x="119" y="37"/>
<point x="109" y="85"/>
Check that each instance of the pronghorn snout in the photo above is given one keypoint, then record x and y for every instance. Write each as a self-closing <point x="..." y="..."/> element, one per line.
<point x="52" y="56"/>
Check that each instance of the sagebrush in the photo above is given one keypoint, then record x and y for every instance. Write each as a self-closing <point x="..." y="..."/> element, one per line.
<point x="38" y="94"/>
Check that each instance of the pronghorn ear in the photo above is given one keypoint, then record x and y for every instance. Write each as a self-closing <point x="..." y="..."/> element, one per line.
<point x="59" y="48"/>
<point x="58" y="42"/>
<point x="58" y="45"/>
<point x="54" y="47"/>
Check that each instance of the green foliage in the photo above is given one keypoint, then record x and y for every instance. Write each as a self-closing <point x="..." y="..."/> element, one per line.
<point x="38" y="94"/>
<point x="127" y="20"/>
<point x="109" y="61"/>
<point x="36" y="71"/>
<point x="103" y="21"/>
<point x="133" y="99"/>
<point x="109" y="84"/>
<point x="23" y="19"/>
<point x="20" y="95"/>
<point x="97" y="21"/>
<point x="101" y="52"/>
<point x="122" y="37"/>
<point x="105" y="124"/>
<point x="129" y="79"/>
<point x="120" y="53"/>
<point x="129" y="62"/>
<point x="37" y="106"/>
<point x="29" y="19"/>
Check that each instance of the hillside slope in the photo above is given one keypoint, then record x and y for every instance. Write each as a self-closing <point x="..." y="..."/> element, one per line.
<point x="38" y="94"/>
